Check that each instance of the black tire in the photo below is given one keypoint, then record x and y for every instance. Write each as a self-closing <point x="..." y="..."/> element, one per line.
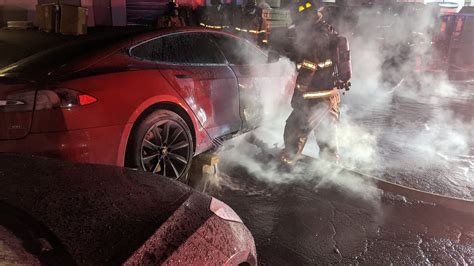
<point x="154" y="149"/>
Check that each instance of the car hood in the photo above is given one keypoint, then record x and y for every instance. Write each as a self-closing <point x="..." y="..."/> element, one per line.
<point x="100" y="214"/>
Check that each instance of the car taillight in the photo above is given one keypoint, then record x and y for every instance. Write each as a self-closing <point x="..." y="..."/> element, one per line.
<point x="70" y="98"/>
<point x="86" y="99"/>
<point x="44" y="100"/>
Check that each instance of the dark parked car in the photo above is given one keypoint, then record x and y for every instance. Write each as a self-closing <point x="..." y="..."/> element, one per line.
<point x="147" y="100"/>
<point x="60" y="213"/>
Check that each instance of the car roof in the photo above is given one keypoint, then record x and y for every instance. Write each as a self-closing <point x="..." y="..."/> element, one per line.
<point x="99" y="43"/>
<point x="164" y="31"/>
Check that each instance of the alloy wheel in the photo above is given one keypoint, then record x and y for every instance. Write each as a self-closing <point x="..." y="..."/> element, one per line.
<point x="165" y="149"/>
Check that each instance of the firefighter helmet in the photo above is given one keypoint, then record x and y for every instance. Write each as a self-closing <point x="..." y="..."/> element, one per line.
<point x="302" y="9"/>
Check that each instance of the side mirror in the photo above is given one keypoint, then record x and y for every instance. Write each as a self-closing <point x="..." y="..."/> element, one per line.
<point x="273" y="56"/>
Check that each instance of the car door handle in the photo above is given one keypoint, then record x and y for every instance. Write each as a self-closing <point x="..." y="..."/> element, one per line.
<point x="11" y="102"/>
<point x="182" y="76"/>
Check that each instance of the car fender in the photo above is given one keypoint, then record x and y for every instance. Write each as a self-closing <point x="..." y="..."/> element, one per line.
<point x="203" y="141"/>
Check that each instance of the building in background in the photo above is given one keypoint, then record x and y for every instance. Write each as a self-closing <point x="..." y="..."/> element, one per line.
<point x="17" y="10"/>
<point x="100" y="12"/>
<point x="123" y="12"/>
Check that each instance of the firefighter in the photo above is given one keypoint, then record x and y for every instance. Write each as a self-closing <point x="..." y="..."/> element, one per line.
<point x="216" y="16"/>
<point x="251" y="25"/>
<point x="171" y="17"/>
<point x="314" y="47"/>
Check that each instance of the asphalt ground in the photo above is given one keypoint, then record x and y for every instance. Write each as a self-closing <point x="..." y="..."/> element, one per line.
<point x="312" y="221"/>
<point x="309" y="216"/>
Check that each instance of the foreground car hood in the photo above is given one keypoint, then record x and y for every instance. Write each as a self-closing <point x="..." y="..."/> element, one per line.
<point x="100" y="214"/>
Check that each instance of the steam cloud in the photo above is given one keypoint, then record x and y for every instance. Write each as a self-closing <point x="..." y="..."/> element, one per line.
<point x="373" y="111"/>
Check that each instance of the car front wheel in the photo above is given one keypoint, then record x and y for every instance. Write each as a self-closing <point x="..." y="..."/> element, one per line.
<point x="162" y="144"/>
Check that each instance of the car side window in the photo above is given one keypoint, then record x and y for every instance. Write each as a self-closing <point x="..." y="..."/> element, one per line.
<point x="239" y="52"/>
<point x="180" y="48"/>
<point x="150" y="50"/>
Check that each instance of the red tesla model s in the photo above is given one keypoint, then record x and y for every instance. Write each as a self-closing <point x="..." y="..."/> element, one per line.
<point x="148" y="100"/>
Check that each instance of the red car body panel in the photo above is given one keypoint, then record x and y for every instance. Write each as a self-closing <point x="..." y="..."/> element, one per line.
<point x="83" y="131"/>
<point x="83" y="145"/>
<point x="125" y="88"/>
<point x="212" y="94"/>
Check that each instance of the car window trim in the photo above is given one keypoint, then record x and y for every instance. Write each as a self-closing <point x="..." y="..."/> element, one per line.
<point x="211" y="38"/>
<point x="173" y="63"/>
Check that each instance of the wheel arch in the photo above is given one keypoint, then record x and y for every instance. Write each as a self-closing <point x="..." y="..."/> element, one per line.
<point x="165" y="105"/>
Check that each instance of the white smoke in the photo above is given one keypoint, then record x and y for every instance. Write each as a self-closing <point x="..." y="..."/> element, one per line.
<point x="276" y="99"/>
<point x="426" y="134"/>
<point x="376" y="37"/>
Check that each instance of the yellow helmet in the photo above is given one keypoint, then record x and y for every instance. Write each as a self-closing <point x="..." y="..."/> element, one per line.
<point x="304" y="7"/>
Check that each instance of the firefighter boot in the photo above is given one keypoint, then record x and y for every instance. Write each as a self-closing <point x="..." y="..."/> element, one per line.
<point x="295" y="137"/>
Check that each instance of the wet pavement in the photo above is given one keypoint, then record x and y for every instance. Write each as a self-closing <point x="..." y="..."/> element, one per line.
<point x="306" y="218"/>
<point x="302" y="222"/>
<point x="425" y="142"/>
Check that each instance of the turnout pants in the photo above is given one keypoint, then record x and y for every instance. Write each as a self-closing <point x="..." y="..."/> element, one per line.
<point x="314" y="115"/>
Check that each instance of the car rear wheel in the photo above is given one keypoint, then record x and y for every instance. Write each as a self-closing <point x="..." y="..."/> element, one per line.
<point x="162" y="144"/>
